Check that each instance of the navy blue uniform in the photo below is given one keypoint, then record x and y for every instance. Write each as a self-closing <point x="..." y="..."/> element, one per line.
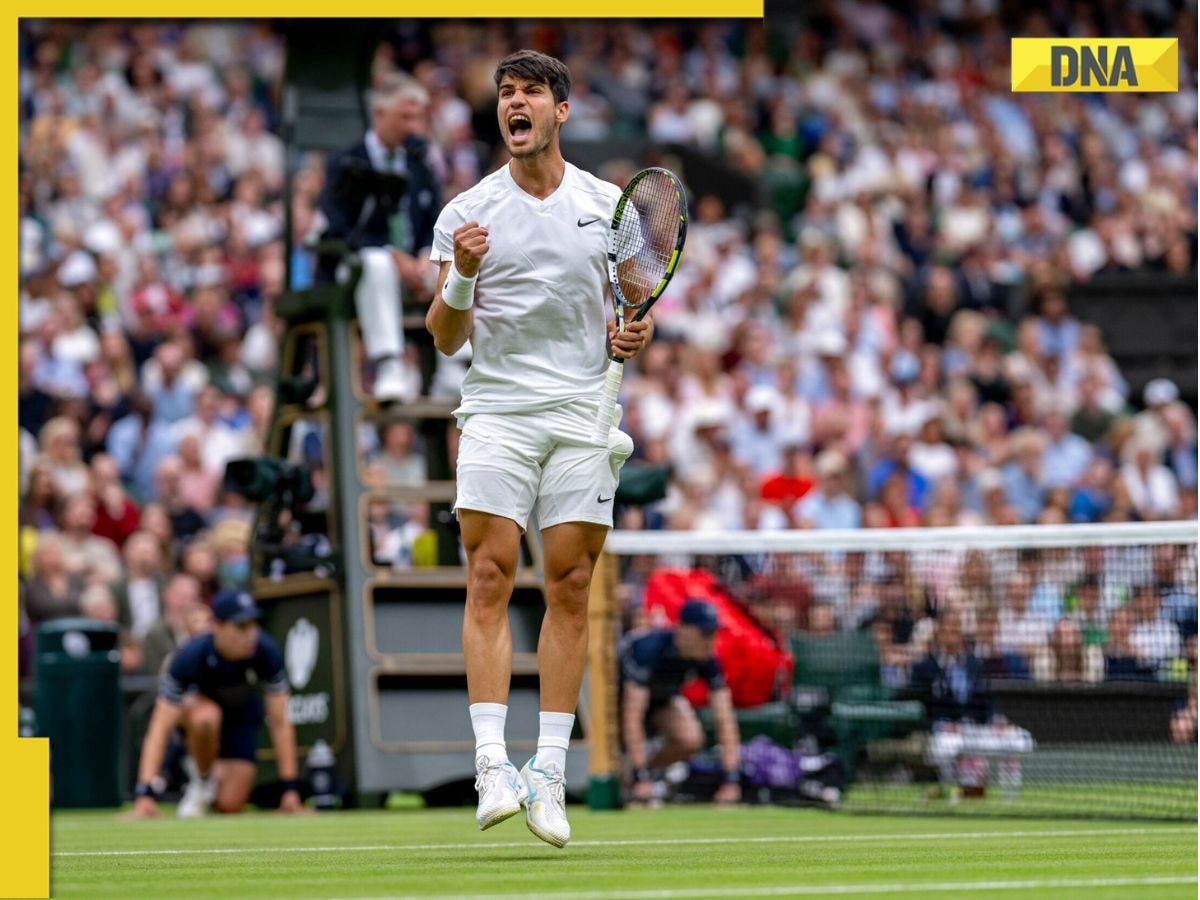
<point x="650" y="659"/>
<point x="233" y="686"/>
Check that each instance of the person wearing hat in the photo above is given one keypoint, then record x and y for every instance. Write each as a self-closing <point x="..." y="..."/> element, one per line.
<point x="655" y="664"/>
<point x="211" y="689"/>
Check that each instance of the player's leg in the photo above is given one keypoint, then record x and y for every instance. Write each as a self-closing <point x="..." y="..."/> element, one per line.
<point x="571" y="550"/>
<point x="201" y="723"/>
<point x="377" y="297"/>
<point x="493" y="545"/>
<point x="683" y="735"/>
<point x="498" y="472"/>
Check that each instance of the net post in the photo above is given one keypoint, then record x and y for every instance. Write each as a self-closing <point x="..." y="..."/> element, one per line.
<point x="604" y="784"/>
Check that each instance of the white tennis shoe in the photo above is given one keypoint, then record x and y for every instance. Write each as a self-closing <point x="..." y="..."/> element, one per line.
<point x="501" y="792"/>
<point x="197" y="798"/>
<point x="546" y="805"/>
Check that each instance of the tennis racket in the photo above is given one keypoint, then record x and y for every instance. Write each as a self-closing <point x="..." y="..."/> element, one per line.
<point x="644" y="246"/>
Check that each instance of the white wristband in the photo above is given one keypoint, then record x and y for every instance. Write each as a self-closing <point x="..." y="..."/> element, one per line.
<point x="459" y="291"/>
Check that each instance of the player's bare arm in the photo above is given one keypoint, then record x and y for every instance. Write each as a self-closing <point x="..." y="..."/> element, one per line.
<point x="450" y="321"/>
<point x="283" y="739"/>
<point x="163" y="720"/>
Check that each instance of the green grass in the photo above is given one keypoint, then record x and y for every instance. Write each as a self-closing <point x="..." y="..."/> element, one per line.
<point x="675" y="852"/>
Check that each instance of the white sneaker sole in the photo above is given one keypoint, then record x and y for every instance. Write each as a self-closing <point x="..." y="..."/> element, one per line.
<point x="505" y="812"/>
<point x="552" y="839"/>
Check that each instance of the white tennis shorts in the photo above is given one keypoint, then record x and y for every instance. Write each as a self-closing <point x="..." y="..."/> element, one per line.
<point x="510" y="464"/>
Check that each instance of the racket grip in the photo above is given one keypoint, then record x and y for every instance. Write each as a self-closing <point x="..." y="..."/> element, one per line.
<point x="608" y="402"/>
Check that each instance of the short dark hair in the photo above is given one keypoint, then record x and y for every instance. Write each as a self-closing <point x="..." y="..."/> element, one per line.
<point x="534" y="66"/>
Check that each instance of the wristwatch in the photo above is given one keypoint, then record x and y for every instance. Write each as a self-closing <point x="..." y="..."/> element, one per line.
<point x="142" y="789"/>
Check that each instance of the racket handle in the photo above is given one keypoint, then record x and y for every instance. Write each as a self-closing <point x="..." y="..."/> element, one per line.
<point x="608" y="402"/>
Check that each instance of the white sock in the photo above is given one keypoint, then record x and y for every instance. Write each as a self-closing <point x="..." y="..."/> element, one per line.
<point x="488" y="721"/>
<point x="554" y="734"/>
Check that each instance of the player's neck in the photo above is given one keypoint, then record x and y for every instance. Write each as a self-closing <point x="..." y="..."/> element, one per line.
<point x="539" y="175"/>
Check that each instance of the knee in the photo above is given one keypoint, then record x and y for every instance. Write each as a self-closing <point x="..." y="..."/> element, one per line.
<point x="228" y="805"/>
<point x="205" y="716"/>
<point x="489" y="585"/>
<point x="692" y="739"/>
<point x="570" y="589"/>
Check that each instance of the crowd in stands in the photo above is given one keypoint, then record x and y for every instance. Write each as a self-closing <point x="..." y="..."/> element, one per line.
<point x="882" y="339"/>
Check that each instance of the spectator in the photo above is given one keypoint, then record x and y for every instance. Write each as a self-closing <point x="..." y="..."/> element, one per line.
<point x="92" y="558"/>
<point x="139" y="592"/>
<point x="1152" y="488"/>
<point x="829" y="505"/>
<point x="794" y="480"/>
<point x="53" y="591"/>
<point x="59" y="441"/>
<point x="1022" y="631"/>
<point x="1067" y="456"/>
<point x="1121" y="662"/>
<point x="181" y="620"/>
<point x="1154" y="639"/>
<point x="1023" y="477"/>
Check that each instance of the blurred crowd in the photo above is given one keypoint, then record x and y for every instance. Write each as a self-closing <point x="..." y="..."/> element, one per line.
<point x="881" y="338"/>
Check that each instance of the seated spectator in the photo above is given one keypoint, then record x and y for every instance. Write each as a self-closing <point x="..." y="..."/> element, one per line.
<point x="997" y="663"/>
<point x="183" y="617"/>
<point x="1068" y="660"/>
<point x="1154" y="638"/>
<point x="1151" y="485"/>
<point x="1024" y="484"/>
<point x="1092" y="498"/>
<point x="140" y="590"/>
<point x="400" y="455"/>
<point x="829" y="505"/>
<point x="89" y="556"/>
<point x="1121" y="662"/>
<point x="794" y="480"/>
<point x="59" y="442"/>
<point x="893" y="509"/>
<point x="53" y="591"/>
<point x="1087" y="611"/>
<point x="40" y="503"/>
<point x="1067" y="456"/>
<point x="197" y="486"/>
<point x="1022" y="631"/>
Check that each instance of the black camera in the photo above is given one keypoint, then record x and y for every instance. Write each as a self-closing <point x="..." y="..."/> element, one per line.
<point x="269" y="478"/>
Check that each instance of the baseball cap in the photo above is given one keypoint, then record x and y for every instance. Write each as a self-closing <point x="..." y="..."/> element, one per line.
<point x="699" y="613"/>
<point x="235" y="606"/>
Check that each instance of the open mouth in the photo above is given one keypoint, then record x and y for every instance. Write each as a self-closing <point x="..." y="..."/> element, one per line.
<point x="519" y="125"/>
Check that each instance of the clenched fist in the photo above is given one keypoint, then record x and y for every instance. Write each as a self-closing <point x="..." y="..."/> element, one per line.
<point x="470" y="247"/>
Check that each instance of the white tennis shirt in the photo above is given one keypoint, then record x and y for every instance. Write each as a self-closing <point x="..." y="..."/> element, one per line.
<point x="541" y="299"/>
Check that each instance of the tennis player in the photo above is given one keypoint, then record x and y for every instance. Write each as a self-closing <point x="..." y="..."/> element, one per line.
<point x="523" y="277"/>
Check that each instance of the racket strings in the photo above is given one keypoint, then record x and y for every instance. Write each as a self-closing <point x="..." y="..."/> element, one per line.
<point x="646" y="239"/>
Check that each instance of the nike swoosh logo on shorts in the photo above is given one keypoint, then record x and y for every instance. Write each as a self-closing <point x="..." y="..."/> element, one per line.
<point x="600" y="499"/>
<point x="584" y="222"/>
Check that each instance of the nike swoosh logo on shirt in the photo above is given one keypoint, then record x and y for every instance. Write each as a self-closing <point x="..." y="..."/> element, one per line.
<point x="600" y="499"/>
<point x="585" y="222"/>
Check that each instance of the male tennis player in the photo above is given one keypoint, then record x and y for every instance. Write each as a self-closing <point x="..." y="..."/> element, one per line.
<point x="523" y="277"/>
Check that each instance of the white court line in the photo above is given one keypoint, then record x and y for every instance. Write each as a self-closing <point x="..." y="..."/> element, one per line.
<point x="662" y="842"/>
<point x="826" y="890"/>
